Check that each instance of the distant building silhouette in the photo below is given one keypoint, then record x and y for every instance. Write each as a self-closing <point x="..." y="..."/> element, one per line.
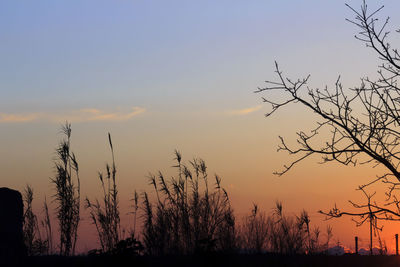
<point x="11" y="221"/>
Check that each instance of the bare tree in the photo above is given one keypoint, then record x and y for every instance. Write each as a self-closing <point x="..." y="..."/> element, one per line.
<point x="363" y="123"/>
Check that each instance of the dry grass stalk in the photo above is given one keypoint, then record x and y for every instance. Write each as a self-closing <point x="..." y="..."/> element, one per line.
<point x="106" y="217"/>
<point x="67" y="195"/>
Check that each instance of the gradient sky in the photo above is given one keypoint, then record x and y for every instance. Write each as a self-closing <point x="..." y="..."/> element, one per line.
<point x="165" y="75"/>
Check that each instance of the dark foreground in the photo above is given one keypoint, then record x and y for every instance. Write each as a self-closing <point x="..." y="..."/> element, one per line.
<point x="213" y="260"/>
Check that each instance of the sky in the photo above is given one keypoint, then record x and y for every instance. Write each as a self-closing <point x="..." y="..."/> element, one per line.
<point x="166" y="75"/>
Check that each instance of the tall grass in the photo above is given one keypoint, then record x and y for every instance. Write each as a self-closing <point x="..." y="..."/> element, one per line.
<point x="187" y="214"/>
<point x="184" y="219"/>
<point x="288" y="233"/>
<point x="135" y="211"/>
<point x="106" y="217"/>
<point x="46" y="224"/>
<point x="282" y="234"/>
<point x="34" y="243"/>
<point x="67" y="193"/>
<point x="30" y="227"/>
<point x="255" y="231"/>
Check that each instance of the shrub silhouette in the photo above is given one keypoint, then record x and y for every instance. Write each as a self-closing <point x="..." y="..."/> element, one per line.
<point x="128" y="247"/>
<point x="185" y="219"/>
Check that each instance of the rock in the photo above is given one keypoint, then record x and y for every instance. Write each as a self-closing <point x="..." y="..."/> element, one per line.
<point x="11" y="221"/>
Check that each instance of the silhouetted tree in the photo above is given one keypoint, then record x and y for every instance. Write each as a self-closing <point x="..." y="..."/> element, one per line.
<point x="67" y="195"/>
<point x="359" y="125"/>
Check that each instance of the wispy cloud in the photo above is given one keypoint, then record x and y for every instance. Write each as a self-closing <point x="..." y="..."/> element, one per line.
<point x="244" y="111"/>
<point x="14" y="117"/>
<point x="90" y="114"/>
<point x="82" y="115"/>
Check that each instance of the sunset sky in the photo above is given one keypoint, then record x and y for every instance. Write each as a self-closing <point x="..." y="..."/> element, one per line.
<point x="166" y="75"/>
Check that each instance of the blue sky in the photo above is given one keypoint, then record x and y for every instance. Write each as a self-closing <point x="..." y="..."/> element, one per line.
<point x="153" y="54"/>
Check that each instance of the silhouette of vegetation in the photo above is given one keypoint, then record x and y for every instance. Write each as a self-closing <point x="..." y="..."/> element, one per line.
<point x="185" y="219"/>
<point x="106" y="218"/>
<point x="186" y="216"/>
<point x="278" y="233"/>
<point x="356" y="126"/>
<point x="329" y="236"/>
<point x="129" y="246"/>
<point x="255" y="231"/>
<point x="46" y="224"/>
<point x="135" y="211"/>
<point x="368" y="214"/>
<point x="34" y="243"/>
<point x="67" y="195"/>
<point x="30" y="227"/>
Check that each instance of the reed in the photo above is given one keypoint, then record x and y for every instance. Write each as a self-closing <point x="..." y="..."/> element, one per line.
<point x="34" y="243"/>
<point x="46" y="224"/>
<point x="254" y="231"/>
<point x="183" y="219"/>
<point x="106" y="216"/>
<point x="67" y="193"/>
<point x="282" y="234"/>
<point x="30" y="227"/>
